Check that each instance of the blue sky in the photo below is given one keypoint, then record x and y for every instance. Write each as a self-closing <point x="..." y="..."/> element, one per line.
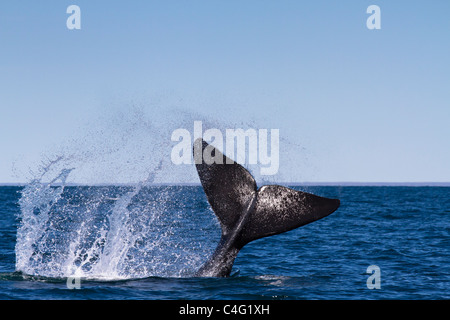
<point x="357" y="104"/>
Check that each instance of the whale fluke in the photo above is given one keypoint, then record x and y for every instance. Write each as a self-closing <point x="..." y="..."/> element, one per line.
<point x="246" y="213"/>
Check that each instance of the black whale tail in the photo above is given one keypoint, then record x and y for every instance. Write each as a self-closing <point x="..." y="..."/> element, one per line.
<point x="245" y="212"/>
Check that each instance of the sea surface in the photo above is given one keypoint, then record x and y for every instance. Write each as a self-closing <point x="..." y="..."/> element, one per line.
<point x="146" y="242"/>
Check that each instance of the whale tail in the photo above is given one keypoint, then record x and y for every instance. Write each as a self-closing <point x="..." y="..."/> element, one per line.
<point x="247" y="213"/>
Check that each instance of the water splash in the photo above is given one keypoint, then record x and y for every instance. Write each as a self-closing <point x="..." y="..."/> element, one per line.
<point x="131" y="230"/>
<point x="107" y="233"/>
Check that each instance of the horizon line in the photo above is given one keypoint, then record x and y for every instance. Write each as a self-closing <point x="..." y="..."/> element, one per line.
<point x="306" y="183"/>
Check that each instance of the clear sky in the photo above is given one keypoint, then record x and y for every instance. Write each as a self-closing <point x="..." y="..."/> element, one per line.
<point x="354" y="104"/>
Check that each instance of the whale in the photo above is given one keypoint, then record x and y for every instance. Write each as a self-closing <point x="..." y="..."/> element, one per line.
<point x="246" y="212"/>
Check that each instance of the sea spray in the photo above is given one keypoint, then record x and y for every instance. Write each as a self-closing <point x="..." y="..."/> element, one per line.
<point x="36" y="202"/>
<point x="115" y="223"/>
<point x="110" y="232"/>
<point x="122" y="235"/>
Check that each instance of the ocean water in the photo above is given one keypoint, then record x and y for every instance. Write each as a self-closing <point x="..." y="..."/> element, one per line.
<point x="146" y="242"/>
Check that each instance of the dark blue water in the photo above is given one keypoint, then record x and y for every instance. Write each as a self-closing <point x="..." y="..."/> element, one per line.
<point x="146" y="243"/>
